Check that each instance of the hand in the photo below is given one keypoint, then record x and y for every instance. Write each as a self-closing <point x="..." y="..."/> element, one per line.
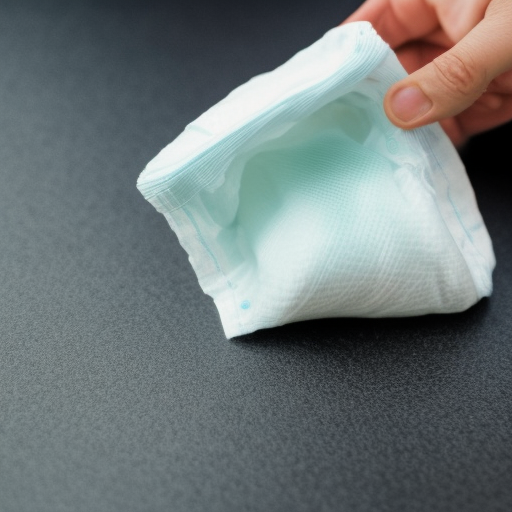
<point x="459" y="56"/>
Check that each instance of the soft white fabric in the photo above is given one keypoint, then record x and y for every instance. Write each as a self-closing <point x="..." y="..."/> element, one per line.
<point x="295" y="197"/>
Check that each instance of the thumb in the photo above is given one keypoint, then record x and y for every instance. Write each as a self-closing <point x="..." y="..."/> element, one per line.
<point x="456" y="79"/>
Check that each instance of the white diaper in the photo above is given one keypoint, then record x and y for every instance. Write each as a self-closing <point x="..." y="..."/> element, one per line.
<point x="295" y="197"/>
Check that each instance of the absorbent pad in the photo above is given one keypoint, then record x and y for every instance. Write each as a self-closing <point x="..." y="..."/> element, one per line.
<point x="296" y="198"/>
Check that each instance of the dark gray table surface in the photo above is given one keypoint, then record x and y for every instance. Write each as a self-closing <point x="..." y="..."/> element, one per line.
<point x="118" y="390"/>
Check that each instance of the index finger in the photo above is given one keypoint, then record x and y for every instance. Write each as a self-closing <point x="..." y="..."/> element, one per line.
<point x="397" y="21"/>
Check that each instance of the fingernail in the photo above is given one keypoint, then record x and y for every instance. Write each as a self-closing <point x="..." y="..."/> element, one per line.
<point x="410" y="103"/>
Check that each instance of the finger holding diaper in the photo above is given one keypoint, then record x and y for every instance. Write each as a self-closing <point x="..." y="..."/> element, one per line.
<point x="458" y="55"/>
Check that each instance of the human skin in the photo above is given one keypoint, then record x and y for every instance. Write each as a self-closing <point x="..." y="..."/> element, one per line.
<point x="458" y="54"/>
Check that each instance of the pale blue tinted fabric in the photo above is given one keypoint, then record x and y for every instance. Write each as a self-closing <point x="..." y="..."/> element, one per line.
<point x="295" y="197"/>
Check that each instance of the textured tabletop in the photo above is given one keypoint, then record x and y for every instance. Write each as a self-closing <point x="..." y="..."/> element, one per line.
<point x="118" y="389"/>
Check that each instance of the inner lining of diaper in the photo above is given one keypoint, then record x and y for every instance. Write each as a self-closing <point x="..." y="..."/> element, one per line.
<point x="331" y="148"/>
